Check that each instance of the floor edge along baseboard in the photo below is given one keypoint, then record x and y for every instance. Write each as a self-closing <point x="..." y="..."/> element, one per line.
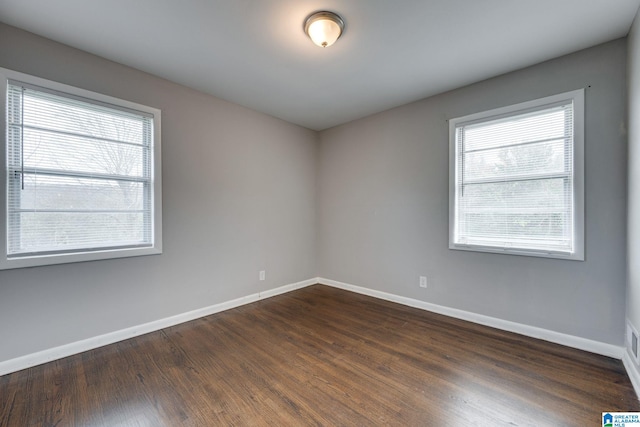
<point x="567" y="340"/>
<point x="48" y="355"/>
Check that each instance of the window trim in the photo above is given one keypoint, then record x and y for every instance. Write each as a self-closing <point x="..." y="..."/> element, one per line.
<point x="577" y="96"/>
<point x="7" y="262"/>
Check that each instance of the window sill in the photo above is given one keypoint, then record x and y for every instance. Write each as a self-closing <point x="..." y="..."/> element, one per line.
<point x="570" y="256"/>
<point x="41" y="260"/>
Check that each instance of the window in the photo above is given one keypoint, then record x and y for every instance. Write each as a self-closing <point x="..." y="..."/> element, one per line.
<point x="516" y="179"/>
<point x="82" y="175"/>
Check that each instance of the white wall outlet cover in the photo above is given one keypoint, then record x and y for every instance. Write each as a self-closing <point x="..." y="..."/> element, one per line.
<point x="423" y="281"/>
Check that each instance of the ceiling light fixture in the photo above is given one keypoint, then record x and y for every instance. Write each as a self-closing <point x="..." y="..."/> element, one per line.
<point x="324" y="28"/>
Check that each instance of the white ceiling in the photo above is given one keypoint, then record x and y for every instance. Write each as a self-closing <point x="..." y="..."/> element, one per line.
<point x="254" y="52"/>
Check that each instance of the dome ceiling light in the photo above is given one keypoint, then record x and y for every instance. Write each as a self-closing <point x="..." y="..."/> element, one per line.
<point x="323" y="28"/>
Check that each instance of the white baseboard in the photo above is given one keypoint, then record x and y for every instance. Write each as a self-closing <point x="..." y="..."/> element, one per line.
<point x="34" y="359"/>
<point x="519" y="328"/>
<point x="632" y="371"/>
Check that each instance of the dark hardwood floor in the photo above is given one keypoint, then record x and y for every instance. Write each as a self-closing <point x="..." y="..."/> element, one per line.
<point x="321" y="356"/>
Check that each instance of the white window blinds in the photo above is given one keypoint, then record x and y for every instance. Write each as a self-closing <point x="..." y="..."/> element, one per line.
<point x="79" y="174"/>
<point x="514" y="180"/>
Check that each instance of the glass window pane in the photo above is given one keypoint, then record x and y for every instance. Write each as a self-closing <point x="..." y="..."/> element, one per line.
<point x="54" y="112"/>
<point x="537" y="126"/>
<point x="54" y="231"/>
<point x="521" y="209"/>
<point x="45" y="150"/>
<point x="70" y="193"/>
<point x="517" y="161"/>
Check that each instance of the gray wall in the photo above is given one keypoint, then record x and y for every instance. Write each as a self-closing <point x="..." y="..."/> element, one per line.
<point x="368" y="201"/>
<point x="238" y="193"/>
<point x="633" y="255"/>
<point x="383" y="205"/>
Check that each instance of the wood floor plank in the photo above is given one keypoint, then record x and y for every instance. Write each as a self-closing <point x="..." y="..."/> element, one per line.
<point x="320" y="356"/>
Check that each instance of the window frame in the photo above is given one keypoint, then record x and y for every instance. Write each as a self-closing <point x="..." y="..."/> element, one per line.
<point x="575" y="96"/>
<point x="32" y="260"/>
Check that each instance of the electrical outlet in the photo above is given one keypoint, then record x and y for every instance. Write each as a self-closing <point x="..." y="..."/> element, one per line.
<point x="262" y="274"/>
<point x="423" y="281"/>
